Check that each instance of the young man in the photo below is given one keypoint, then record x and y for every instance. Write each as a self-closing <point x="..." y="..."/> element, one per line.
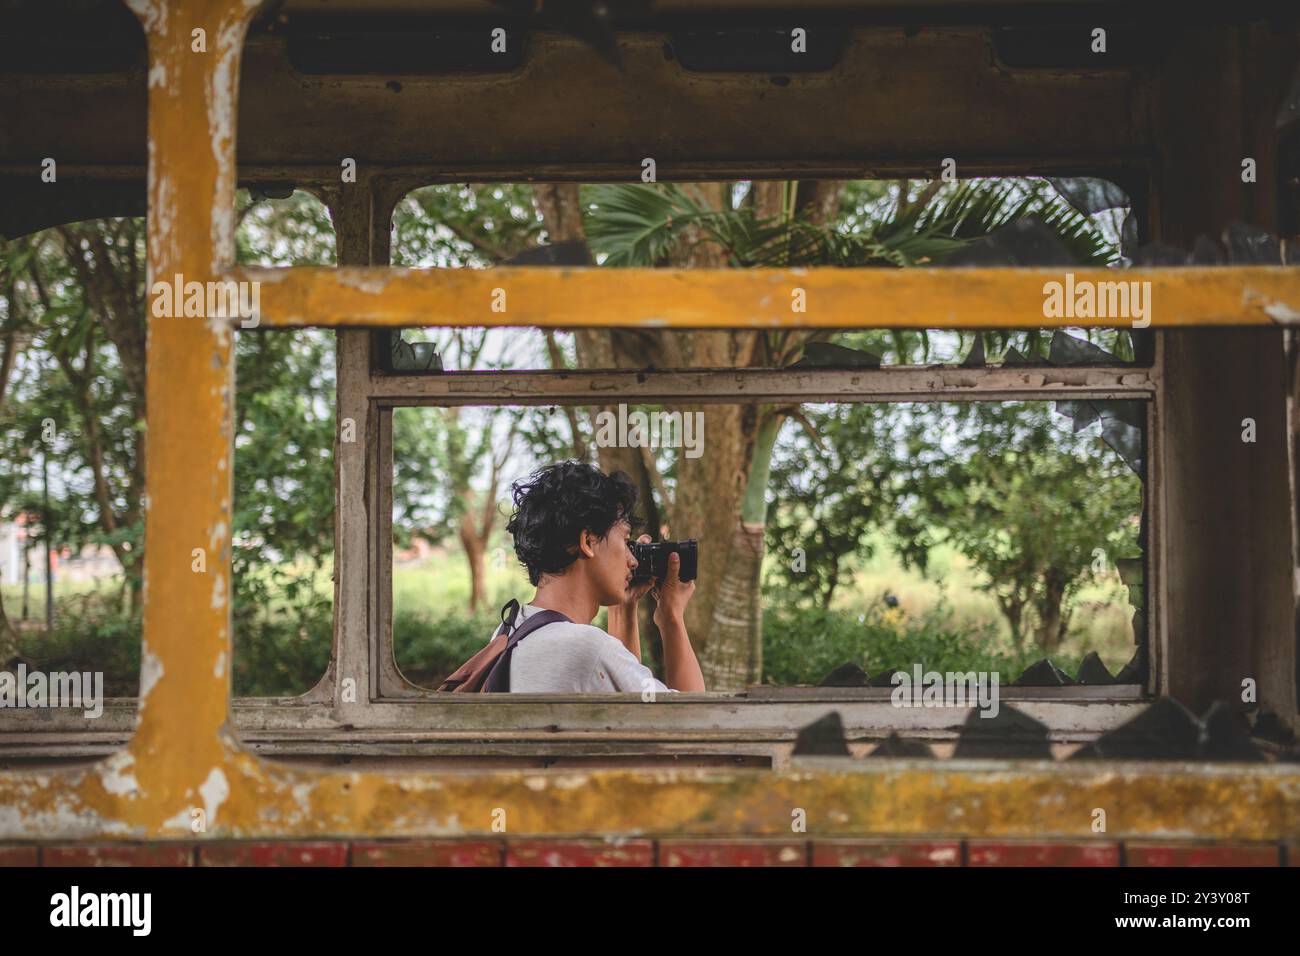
<point x="571" y="527"/>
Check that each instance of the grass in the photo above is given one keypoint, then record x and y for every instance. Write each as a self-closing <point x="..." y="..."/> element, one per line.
<point x="1101" y="621"/>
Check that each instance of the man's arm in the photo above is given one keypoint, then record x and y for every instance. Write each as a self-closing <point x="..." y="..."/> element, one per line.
<point x="681" y="668"/>
<point x="623" y="625"/>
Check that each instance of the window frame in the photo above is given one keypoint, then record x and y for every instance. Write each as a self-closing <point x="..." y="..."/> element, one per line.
<point x="385" y="391"/>
<point x="381" y="700"/>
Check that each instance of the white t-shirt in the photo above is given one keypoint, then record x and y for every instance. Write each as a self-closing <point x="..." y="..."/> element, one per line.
<point x="565" y="657"/>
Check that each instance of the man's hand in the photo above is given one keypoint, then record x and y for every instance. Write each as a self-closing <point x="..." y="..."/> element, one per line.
<point x="672" y="594"/>
<point x="637" y="589"/>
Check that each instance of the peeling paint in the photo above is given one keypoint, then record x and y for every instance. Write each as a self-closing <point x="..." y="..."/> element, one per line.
<point x="1274" y="308"/>
<point x="221" y="328"/>
<point x="151" y="671"/>
<point x="214" y="791"/>
<point x="1281" y="312"/>
<point x="114" y="774"/>
<point x="369" y="281"/>
<point x="151" y="16"/>
<point x="162" y="232"/>
<point x="218" y="591"/>
<point x="220" y="95"/>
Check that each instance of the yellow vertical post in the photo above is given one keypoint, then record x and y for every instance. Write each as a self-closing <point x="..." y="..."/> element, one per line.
<point x="181" y="747"/>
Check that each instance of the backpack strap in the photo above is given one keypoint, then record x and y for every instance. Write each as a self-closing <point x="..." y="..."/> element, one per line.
<point x="498" y="679"/>
<point x="509" y="612"/>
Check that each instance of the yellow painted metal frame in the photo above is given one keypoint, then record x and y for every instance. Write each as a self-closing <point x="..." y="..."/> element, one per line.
<point x="755" y="298"/>
<point x="184" y="765"/>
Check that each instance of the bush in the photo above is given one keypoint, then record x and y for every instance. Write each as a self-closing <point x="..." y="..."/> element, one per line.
<point x="276" y="655"/>
<point x="802" y="645"/>
<point x="91" y="633"/>
<point x="282" y="652"/>
<point x="428" y="648"/>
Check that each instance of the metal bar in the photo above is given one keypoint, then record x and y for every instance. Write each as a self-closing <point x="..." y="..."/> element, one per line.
<point x="185" y="668"/>
<point x="759" y="298"/>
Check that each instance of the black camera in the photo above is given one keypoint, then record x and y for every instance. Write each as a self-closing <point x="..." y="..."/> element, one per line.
<point x="652" y="559"/>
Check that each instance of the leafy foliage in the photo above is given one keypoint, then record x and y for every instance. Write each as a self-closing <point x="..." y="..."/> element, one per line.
<point x="802" y="645"/>
<point x="642" y="224"/>
<point x="1022" y="496"/>
<point x="829" y="487"/>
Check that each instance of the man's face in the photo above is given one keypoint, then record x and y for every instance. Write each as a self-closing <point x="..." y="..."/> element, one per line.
<point x="612" y="563"/>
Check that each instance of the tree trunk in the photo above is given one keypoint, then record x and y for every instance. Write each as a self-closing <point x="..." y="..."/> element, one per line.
<point x="1013" y="609"/>
<point x="1052" y="622"/>
<point x="475" y="553"/>
<point x="733" y="655"/>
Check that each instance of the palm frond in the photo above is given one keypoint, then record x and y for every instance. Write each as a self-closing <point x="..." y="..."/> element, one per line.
<point x="643" y="224"/>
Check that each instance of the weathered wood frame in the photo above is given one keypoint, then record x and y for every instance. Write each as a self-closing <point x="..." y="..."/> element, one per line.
<point x="184" y="763"/>
<point x="889" y="384"/>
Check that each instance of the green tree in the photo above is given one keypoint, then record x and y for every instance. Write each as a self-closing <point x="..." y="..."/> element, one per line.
<point x="283" y="538"/>
<point x="1023" y="496"/>
<point x="75" y="294"/>
<point x="830" y="487"/>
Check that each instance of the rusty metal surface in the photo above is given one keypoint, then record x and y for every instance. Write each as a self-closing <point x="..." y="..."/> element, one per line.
<point x="184" y="764"/>
<point x="298" y="126"/>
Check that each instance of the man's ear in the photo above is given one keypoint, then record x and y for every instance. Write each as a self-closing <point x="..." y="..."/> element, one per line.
<point x="587" y="543"/>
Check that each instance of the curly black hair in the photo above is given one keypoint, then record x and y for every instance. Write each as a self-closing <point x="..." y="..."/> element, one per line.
<point x="555" y="504"/>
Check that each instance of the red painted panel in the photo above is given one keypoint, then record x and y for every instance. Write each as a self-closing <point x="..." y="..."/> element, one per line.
<point x="273" y="854"/>
<point x="1219" y="854"/>
<point x="1007" y="853"/>
<point x="19" y="856"/>
<point x="428" y="853"/>
<point x="120" y="854"/>
<point x="886" y="853"/>
<point x="732" y="853"/>
<point x="579" y="853"/>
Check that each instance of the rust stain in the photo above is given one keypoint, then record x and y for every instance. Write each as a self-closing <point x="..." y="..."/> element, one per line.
<point x="244" y="797"/>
